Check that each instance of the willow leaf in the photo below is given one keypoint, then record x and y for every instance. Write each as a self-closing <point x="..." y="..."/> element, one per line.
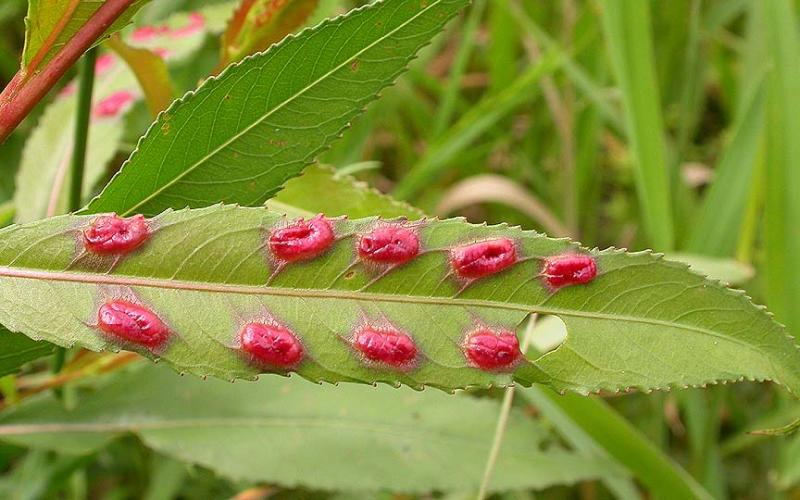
<point x="240" y="136"/>
<point x="279" y="431"/>
<point x="643" y="322"/>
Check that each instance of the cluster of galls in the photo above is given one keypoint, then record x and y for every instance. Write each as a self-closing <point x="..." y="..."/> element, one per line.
<point x="274" y="346"/>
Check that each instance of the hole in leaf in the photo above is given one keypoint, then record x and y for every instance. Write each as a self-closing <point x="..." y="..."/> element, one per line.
<point x="548" y="333"/>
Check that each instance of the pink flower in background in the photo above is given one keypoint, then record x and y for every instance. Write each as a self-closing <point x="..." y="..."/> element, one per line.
<point x="112" y="105"/>
<point x="68" y="90"/>
<point x="196" y="23"/>
<point x="104" y="63"/>
<point x="162" y="52"/>
<point x="146" y="33"/>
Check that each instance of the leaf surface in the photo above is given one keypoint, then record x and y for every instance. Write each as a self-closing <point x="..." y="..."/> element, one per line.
<point x="17" y="349"/>
<point x="151" y="73"/>
<point x="642" y="323"/>
<point x="288" y="432"/>
<point x="321" y="189"/>
<point x="781" y="204"/>
<point x="240" y="136"/>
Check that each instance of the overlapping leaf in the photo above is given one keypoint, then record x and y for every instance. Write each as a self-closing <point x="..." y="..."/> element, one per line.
<point x="240" y="136"/>
<point x="279" y="431"/>
<point x="322" y="189"/>
<point x="51" y="24"/>
<point x="257" y="24"/>
<point x="644" y="322"/>
<point x="17" y="349"/>
<point x="42" y="181"/>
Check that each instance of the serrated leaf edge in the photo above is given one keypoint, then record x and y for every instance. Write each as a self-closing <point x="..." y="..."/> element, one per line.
<point x="210" y="82"/>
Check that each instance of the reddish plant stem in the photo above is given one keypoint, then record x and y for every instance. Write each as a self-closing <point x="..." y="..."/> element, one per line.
<point x="53" y="36"/>
<point x="26" y="90"/>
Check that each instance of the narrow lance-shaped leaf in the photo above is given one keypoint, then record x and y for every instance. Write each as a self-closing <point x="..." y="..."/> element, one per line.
<point x="151" y="73"/>
<point x="279" y="430"/>
<point x="576" y="423"/>
<point x="719" y="222"/>
<point x="241" y="135"/>
<point x="434" y="312"/>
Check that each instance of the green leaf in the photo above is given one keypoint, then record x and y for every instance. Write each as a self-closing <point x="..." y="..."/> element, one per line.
<point x="241" y="135"/>
<point x="42" y="180"/>
<point x="728" y="271"/>
<point x="51" y="24"/>
<point x="782" y="204"/>
<point x="40" y="475"/>
<point x="629" y="37"/>
<point x="788" y="474"/>
<point x="323" y="190"/>
<point x="291" y="433"/>
<point x="642" y="323"/>
<point x="17" y="349"/>
<point x="167" y="477"/>
<point x="582" y="79"/>
<point x="151" y="73"/>
<point x="452" y="88"/>
<point x="7" y="212"/>
<point x="719" y="222"/>
<point x="257" y="24"/>
<point x="789" y="428"/>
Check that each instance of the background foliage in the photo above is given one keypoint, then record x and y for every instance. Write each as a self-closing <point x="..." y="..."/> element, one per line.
<point x="669" y="125"/>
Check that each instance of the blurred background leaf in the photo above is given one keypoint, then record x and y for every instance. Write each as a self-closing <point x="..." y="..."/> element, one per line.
<point x="277" y="430"/>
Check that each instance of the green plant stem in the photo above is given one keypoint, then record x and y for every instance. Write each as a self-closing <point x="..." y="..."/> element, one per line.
<point x="81" y="128"/>
<point x="86" y="85"/>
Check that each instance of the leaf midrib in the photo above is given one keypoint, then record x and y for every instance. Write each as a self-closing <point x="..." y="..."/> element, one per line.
<point x="196" y="286"/>
<point x="280" y="106"/>
<point x="413" y="430"/>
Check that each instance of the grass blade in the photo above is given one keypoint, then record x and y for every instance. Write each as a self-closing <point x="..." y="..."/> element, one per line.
<point x="621" y="440"/>
<point x="782" y="204"/>
<point x="477" y="121"/>
<point x="628" y="33"/>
